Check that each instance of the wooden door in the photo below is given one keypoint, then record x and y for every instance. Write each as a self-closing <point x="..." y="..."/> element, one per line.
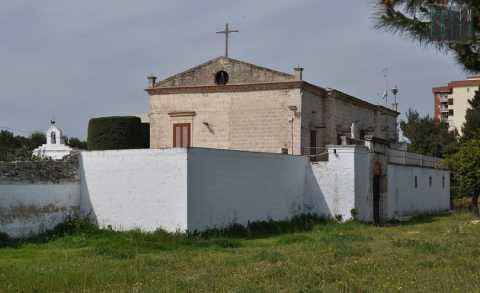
<point x="181" y="135"/>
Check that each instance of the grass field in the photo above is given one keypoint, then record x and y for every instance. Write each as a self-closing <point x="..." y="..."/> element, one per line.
<point x="434" y="254"/>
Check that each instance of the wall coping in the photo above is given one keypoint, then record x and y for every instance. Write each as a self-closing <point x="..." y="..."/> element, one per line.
<point x="347" y="148"/>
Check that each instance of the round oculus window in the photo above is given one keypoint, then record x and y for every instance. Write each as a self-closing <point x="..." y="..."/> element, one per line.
<point x="221" y="77"/>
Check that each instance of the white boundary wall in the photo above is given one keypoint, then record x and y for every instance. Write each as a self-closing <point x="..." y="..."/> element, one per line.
<point x="198" y="189"/>
<point x="226" y="187"/>
<point x="408" y="200"/>
<point x="336" y="187"/>
<point x="29" y="209"/>
<point x="129" y="189"/>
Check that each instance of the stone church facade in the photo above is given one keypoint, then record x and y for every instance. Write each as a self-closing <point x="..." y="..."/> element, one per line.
<point x="229" y="104"/>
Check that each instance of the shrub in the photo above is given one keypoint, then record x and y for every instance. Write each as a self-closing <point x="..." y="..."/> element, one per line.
<point x="117" y="132"/>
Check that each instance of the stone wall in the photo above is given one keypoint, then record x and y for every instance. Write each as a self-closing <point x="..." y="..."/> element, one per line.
<point x="250" y="121"/>
<point x="38" y="195"/>
<point x="239" y="72"/>
<point x="314" y="117"/>
<point x="254" y="110"/>
<point x="45" y="171"/>
<point x="331" y="113"/>
<point x="372" y="119"/>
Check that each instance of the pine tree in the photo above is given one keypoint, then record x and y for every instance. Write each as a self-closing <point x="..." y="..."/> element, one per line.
<point x="413" y="18"/>
<point x="471" y="127"/>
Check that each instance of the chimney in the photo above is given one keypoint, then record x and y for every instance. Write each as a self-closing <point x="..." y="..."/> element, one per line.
<point x="354" y="130"/>
<point x="151" y="80"/>
<point x="298" y="72"/>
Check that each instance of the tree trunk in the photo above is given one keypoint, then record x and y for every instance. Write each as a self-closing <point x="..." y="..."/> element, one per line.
<point x="475" y="205"/>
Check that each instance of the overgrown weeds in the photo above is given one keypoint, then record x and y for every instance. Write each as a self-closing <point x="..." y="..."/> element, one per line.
<point x="76" y="229"/>
<point x="429" y="254"/>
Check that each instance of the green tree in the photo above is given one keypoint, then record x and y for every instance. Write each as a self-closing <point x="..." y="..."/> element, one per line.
<point x="8" y="143"/>
<point x="412" y="18"/>
<point x="427" y="136"/>
<point x="19" y="148"/>
<point x="36" y="140"/>
<point x="465" y="166"/>
<point x="76" y="143"/>
<point x="471" y="127"/>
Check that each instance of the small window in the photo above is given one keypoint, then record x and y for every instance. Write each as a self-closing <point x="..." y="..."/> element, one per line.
<point x="53" y="138"/>
<point x="450" y="112"/>
<point x="430" y="181"/>
<point x="221" y="78"/>
<point x="443" y="182"/>
<point x="416" y="182"/>
<point x="362" y="134"/>
<point x="450" y="101"/>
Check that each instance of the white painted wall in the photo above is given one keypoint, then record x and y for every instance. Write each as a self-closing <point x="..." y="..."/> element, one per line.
<point x="28" y="209"/>
<point x="406" y="200"/>
<point x="197" y="189"/>
<point x="226" y="187"/>
<point x="336" y="187"/>
<point x="130" y="189"/>
<point x="363" y="184"/>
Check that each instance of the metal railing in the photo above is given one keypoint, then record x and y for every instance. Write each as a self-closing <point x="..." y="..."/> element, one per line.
<point x="316" y="154"/>
<point x="406" y="158"/>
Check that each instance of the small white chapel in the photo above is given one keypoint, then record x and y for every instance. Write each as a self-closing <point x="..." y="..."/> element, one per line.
<point x="55" y="148"/>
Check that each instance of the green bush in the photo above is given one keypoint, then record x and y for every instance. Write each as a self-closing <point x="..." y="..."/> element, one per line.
<point x="117" y="132"/>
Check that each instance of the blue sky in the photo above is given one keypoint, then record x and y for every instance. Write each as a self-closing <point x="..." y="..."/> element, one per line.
<point x="74" y="60"/>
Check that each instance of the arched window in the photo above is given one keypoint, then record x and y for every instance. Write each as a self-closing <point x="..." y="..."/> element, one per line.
<point x="53" y="138"/>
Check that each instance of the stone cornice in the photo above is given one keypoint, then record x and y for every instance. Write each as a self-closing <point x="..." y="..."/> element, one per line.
<point x="181" y="114"/>
<point x="282" y="85"/>
<point x="359" y="102"/>
<point x="226" y="88"/>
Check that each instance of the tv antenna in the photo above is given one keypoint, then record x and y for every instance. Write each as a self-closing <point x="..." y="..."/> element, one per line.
<point x="395" y="92"/>
<point x="385" y="77"/>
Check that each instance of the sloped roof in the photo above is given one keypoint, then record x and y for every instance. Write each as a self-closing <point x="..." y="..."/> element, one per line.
<point x="240" y="72"/>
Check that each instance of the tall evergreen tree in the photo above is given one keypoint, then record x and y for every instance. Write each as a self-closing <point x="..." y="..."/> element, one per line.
<point x="471" y="127"/>
<point x="465" y="166"/>
<point x="427" y="136"/>
<point x="413" y="18"/>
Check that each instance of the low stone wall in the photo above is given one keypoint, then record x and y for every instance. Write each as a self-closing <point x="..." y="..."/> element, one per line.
<point x="36" y="196"/>
<point x="40" y="171"/>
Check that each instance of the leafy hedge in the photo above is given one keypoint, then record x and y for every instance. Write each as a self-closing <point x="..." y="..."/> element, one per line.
<point x="117" y="132"/>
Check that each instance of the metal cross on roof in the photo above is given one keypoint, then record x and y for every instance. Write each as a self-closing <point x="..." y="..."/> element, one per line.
<point x="227" y="32"/>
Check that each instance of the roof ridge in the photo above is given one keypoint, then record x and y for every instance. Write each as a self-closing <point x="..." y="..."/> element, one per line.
<point x="261" y="67"/>
<point x="219" y="58"/>
<point x="189" y="69"/>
